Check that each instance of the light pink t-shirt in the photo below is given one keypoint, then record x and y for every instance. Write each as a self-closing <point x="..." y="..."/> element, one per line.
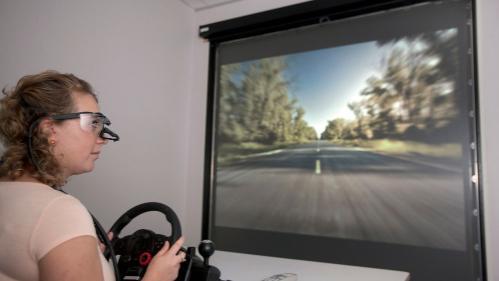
<point x="34" y="219"/>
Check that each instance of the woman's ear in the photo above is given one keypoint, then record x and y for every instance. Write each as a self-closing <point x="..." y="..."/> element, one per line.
<point x="47" y="127"/>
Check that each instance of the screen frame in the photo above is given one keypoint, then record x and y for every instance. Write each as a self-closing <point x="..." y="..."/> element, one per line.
<point x="301" y="15"/>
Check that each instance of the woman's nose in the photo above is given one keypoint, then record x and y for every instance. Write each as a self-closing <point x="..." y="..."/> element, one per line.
<point x="101" y="140"/>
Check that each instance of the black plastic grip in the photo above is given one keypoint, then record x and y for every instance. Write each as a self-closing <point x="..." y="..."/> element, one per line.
<point x="127" y="217"/>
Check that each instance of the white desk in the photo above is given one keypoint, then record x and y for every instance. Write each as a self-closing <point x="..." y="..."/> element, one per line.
<point x="244" y="267"/>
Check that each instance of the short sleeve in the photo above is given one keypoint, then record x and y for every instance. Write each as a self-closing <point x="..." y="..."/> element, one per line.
<point x="63" y="219"/>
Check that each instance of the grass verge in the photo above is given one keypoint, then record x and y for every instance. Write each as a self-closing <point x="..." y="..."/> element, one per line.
<point x="446" y="150"/>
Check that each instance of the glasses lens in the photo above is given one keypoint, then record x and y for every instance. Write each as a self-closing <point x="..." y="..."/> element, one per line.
<point x="90" y="122"/>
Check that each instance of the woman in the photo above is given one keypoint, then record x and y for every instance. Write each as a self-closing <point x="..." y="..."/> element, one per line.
<point x="51" y="128"/>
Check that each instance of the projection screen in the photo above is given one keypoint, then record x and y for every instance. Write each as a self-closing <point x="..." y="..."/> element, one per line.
<point x="350" y="141"/>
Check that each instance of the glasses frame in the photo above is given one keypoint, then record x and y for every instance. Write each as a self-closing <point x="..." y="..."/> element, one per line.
<point x="76" y="115"/>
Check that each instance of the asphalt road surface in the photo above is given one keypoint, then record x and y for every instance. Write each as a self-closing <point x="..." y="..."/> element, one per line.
<point x="344" y="192"/>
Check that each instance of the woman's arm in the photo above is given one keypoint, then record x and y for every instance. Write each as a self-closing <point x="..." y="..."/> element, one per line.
<point x="73" y="260"/>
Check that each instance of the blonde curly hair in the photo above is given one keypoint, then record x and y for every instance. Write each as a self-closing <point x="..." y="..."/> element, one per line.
<point x="34" y="97"/>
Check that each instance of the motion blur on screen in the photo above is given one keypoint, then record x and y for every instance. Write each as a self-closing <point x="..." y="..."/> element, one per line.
<point x="357" y="134"/>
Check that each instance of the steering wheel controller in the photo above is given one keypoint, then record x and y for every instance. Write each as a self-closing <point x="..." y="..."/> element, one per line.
<point x="135" y="251"/>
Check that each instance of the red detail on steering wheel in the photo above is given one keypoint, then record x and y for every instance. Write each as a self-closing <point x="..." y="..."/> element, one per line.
<point x="145" y="258"/>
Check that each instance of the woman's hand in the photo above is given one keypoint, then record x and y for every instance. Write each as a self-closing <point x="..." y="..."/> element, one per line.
<point x="102" y="246"/>
<point x="165" y="264"/>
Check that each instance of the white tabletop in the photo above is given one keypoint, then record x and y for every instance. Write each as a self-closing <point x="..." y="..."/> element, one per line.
<point x="244" y="267"/>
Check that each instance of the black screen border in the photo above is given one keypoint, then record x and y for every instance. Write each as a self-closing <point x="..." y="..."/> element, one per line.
<point x="307" y="14"/>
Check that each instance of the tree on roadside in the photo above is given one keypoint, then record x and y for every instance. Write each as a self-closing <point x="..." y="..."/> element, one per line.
<point x="229" y="106"/>
<point x="255" y="105"/>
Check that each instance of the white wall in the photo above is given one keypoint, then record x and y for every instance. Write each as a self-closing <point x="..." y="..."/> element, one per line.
<point x="137" y="55"/>
<point x="488" y="74"/>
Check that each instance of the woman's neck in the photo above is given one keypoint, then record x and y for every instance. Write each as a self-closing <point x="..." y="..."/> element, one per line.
<point x="27" y="178"/>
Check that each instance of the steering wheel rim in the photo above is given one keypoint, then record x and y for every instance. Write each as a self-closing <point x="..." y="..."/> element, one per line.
<point x="140" y="209"/>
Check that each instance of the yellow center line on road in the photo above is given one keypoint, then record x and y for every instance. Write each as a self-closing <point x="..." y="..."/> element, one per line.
<point x="317" y="167"/>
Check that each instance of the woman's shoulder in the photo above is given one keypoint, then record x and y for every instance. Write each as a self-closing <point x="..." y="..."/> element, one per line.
<point x="25" y="186"/>
<point x="31" y="193"/>
<point x="40" y="197"/>
<point x="44" y="217"/>
<point x="60" y="217"/>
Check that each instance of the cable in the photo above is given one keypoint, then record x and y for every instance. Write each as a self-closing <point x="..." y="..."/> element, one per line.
<point x="102" y="235"/>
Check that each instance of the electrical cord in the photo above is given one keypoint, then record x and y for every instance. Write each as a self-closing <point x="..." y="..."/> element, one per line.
<point x="101" y="233"/>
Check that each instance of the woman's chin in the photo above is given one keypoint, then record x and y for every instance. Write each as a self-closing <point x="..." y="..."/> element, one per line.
<point x="85" y="170"/>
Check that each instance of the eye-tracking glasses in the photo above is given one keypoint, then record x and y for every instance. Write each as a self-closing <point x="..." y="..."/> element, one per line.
<point x="93" y="122"/>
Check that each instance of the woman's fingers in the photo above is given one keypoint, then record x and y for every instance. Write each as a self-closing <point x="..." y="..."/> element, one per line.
<point x="166" y="263"/>
<point x="176" y="247"/>
<point x="102" y="246"/>
<point x="182" y="256"/>
<point x="164" y="249"/>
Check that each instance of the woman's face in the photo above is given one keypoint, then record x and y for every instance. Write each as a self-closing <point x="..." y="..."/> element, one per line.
<point x="77" y="149"/>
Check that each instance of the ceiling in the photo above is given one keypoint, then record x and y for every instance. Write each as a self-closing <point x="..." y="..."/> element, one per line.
<point x="199" y="5"/>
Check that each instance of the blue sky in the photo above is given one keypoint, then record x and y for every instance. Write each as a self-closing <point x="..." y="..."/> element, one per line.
<point x="324" y="81"/>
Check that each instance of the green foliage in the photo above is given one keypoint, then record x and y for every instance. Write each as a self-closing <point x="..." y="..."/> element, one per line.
<point x="413" y="98"/>
<point x="254" y="105"/>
